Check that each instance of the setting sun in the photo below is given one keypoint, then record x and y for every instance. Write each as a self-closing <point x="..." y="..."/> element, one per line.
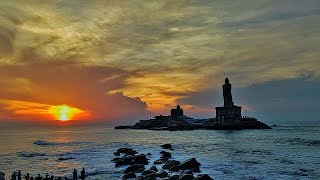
<point x="64" y="112"/>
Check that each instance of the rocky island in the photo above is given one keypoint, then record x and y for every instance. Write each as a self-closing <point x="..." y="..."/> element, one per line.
<point x="228" y="117"/>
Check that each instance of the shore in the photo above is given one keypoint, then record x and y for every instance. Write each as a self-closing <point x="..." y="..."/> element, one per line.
<point x="133" y="166"/>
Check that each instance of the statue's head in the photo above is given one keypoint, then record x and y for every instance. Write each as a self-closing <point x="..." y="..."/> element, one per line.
<point x="226" y="81"/>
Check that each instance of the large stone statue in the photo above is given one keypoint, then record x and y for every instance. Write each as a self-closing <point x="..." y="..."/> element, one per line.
<point x="229" y="111"/>
<point x="227" y="96"/>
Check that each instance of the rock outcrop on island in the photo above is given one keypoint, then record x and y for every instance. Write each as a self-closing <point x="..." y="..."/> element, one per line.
<point x="228" y="117"/>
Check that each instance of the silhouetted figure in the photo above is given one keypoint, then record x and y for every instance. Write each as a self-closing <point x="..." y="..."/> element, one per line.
<point x="31" y="178"/>
<point x="27" y="176"/>
<point x="2" y="176"/>
<point x="14" y="176"/>
<point x="75" y="174"/>
<point x="82" y="174"/>
<point x="47" y="177"/>
<point x="59" y="178"/>
<point x="52" y="177"/>
<point x="19" y="175"/>
<point x="38" y="177"/>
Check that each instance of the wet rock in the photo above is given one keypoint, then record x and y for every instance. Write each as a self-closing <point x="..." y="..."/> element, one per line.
<point x="134" y="168"/>
<point x="166" y="146"/>
<point x="152" y="176"/>
<point x="128" y="160"/>
<point x="159" y="161"/>
<point x="191" y="164"/>
<point x="146" y="172"/>
<point x="129" y="175"/>
<point x="203" y="177"/>
<point x="163" y="174"/>
<point x="165" y="155"/>
<point x="126" y="151"/>
<point x="175" y="177"/>
<point x="154" y="168"/>
<point x="186" y="177"/>
<point x="141" y="159"/>
<point x="187" y="172"/>
<point x="170" y="163"/>
<point x="175" y="168"/>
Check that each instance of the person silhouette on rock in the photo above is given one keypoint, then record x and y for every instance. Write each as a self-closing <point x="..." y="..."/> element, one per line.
<point x="75" y="174"/>
<point x="27" y="176"/>
<point x="14" y="176"/>
<point x="82" y="174"/>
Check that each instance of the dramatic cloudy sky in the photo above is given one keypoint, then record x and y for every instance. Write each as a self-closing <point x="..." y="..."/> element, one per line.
<point x="117" y="60"/>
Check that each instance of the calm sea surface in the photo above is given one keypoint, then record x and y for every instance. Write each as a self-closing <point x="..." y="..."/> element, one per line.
<point x="285" y="152"/>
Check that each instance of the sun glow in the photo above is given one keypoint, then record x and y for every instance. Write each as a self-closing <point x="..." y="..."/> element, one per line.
<point x="64" y="112"/>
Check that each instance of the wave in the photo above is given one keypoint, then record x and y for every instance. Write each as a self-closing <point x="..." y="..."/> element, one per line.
<point x="48" y="143"/>
<point x="300" y="141"/>
<point x="25" y="154"/>
<point x="44" y="143"/>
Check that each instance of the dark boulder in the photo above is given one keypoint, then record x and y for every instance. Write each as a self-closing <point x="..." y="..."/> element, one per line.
<point x="166" y="146"/>
<point x="170" y="163"/>
<point x="126" y="151"/>
<point x="186" y="177"/>
<point x="174" y="177"/>
<point x="152" y="176"/>
<point x="146" y="172"/>
<point x="129" y="175"/>
<point x="187" y="172"/>
<point x="203" y="177"/>
<point x="165" y="155"/>
<point x="154" y="168"/>
<point x="175" y="168"/>
<point x="191" y="164"/>
<point x="159" y="161"/>
<point x="141" y="159"/>
<point x="163" y="174"/>
<point x="134" y="168"/>
<point x="128" y="160"/>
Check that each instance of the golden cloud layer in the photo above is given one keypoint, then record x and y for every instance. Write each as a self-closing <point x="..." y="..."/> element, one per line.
<point x="95" y="54"/>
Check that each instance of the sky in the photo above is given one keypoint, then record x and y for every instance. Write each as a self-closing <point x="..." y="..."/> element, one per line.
<point x="117" y="61"/>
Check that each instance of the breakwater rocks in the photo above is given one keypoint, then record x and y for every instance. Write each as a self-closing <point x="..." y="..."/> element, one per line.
<point x="168" y="168"/>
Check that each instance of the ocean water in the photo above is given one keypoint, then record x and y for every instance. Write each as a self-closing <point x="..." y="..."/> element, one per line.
<point x="285" y="152"/>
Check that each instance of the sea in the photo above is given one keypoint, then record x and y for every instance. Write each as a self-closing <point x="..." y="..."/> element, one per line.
<point x="288" y="151"/>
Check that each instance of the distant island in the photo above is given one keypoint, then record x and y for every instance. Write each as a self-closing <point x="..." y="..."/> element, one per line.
<point x="228" y="117"/>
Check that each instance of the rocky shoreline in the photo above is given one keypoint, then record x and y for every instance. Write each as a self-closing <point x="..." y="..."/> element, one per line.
<point x="154" y="124"/>
<point x="170" y="169"/>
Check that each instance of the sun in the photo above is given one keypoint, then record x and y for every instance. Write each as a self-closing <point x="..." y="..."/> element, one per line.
<point x="64" y="112"/>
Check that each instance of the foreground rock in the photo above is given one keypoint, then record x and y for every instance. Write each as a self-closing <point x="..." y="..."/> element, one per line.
<point x="203" y="177"/>
<point x="137" y="165"/>
<point x="191" y="164"/>
<point x="129" y="175"/>
<point x="136" y="168"/>
<point x="166" y="146"/>
<point x="126" y="151"/>
<point x="130" y="159"/>
<point x="170" y="163"/>
<point x="186" y="177"/>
